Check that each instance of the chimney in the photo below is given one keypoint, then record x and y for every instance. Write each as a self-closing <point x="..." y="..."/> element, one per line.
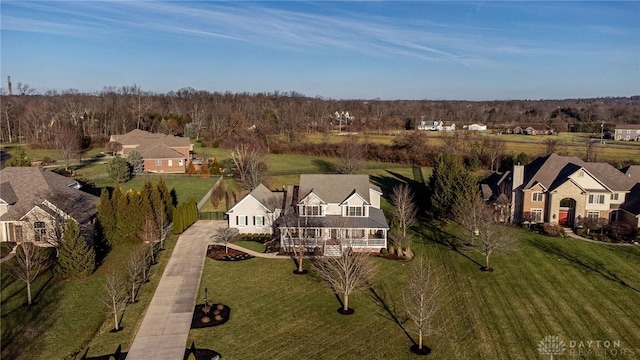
<point x="518" y="176"/>
<point x="9" y="85"/>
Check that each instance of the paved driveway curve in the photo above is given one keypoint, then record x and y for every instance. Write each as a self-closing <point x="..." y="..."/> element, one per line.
<point x="165" y="327"/>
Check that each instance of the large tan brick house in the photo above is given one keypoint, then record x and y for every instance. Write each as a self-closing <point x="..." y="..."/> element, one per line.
<point x="160" y="153"/>
<point x="562" y="190"/>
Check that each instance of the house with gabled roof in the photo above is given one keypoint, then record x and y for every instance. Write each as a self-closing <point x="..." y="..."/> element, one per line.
<point x="627" y="132"/>
<point x="160" y="153"/>
<point x="257" y="211"/>
<point x="325" y="212"/>
<point x="34" y="203"/>
<point x="563" y="190"/>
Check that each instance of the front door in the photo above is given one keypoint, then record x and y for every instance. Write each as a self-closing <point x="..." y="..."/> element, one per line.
<point x="563" y="218"/>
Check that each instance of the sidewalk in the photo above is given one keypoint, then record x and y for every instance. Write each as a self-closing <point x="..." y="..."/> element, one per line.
<point x="166" y="324"/>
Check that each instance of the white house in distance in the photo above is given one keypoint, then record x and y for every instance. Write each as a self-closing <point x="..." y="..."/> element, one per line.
<point x="325" y="212"/>
<point x="475" y="127"/>
<point x="436" y="126"/>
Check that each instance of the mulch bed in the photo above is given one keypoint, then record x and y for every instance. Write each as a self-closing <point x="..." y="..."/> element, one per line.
<point x="424" y="351"/>
<point x="221" y="311"/>
<point x="218" y="252"/>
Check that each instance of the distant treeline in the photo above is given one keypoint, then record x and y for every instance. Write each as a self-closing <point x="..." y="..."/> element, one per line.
<point x="46" y="120"/>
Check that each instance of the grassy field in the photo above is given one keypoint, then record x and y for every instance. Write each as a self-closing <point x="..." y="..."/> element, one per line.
<point x="551" y="286"/>
<point x="68" y="317"/>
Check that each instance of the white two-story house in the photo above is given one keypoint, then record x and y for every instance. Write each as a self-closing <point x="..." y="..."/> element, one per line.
<point x="325" y="212"/>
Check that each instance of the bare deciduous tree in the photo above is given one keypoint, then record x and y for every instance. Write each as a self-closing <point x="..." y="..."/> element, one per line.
<point x="495" y="151"/>
<point x="404" y="211"/>
<point x="351" y="156"/>
<point x="551" y="145"/>
<point x="226" y="236"/>
<point x="250" y="165"/>
<point x="138" y="270"/>
<point x="493" y="237"/>
<point x="470" y="210"/>
<point x="27" y="264"/>
<point x="115" y="298"/>
<point x="420" y="298"/>
<point x="348" y="273"/>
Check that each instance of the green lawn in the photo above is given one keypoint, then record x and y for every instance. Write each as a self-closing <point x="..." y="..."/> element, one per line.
<point x="576" y="290"/>
<point x="68" y="317"/>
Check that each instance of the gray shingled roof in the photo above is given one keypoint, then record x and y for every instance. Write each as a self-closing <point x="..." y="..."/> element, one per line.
<point x="7" y="194"/>
<point x="159" y="151"/>
<point x="31" y="186"/>
<point x="633" y="172"/>
<point x="153" y="145"/>
<point x="270" y="199"/>
<point x="335" y="188"/>
<point x="552" y="170"/>
<point x="628" y="126"/>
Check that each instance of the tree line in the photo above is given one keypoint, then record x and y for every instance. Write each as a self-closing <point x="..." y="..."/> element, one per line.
<point x="52" y="119"/>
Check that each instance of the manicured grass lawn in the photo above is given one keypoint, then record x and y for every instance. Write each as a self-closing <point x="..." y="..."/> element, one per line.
<point x="68" y="316"/>
<point x="251" y="245"/>
<point x="564" y="287"/>
<point x="185" y="187"/>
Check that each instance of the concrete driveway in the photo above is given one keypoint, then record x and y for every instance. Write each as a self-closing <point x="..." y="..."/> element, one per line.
<point x="166" y="324"/>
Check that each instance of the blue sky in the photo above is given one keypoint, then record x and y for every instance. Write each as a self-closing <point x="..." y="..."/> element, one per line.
<point x="356" y="50"/>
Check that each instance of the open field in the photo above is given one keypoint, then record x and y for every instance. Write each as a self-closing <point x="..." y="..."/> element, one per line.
<point x="551" y="286"/>
<point x="68" y="317"/>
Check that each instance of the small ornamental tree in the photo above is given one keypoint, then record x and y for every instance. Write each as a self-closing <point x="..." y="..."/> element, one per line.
<point x="191" y="169"/>
<point x="420" y="299"/>
<point x="226" y="236"/>
<point x="115" y="297"/>
<point x="205" y="173"/>
<point x="348" y="273"/>
<point x="29" y="261"/>
<point x="119" y="170"/>
<point x="76" y="259"/>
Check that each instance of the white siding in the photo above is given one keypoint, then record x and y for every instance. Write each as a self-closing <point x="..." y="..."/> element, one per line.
<point x="250" y="207"/>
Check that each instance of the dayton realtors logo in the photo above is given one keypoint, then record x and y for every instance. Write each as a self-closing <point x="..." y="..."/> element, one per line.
<point x="554" y="345"/>
<point x="551" y="345"/>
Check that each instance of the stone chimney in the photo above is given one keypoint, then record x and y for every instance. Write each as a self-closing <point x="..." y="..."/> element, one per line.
<point x="517" y="178"/>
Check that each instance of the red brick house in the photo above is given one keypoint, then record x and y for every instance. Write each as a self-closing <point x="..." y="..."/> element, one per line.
<point x="160" y="153"/>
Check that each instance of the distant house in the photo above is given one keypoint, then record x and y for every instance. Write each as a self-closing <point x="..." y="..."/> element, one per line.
<point x="475" y="127"/>
<point x="530" y="129"/>
<point x="329" y="212"/>
<point x="561" y="190"/>
<point x="34" y="203"/>
<point x="627" y="132"/>
<point x="435" y="126"/>
<point x="160" y="153"/>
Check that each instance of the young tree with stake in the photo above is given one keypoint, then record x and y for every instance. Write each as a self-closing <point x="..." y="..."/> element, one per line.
<point x="29" y="261"/>
<point x="115" y="298"/>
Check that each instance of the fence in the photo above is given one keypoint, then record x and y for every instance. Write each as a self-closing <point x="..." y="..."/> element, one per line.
<point x="208" y="194"/>
<point x="212" y="215"/>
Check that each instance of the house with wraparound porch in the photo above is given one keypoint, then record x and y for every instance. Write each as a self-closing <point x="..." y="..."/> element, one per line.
<point x="325" y="213"/>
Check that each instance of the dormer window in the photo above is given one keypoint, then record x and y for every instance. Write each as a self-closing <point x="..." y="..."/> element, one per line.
<point x="355" y="211"/>
<point x="312" y="210"/>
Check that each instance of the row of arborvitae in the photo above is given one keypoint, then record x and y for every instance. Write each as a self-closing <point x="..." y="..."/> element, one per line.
<point x="128" y="217"/>
<point x="184" y="216"/>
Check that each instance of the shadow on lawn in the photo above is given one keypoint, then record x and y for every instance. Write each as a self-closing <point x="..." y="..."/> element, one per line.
<point x="431" y="233"/>
<point x="584" y="263"/>
<point x="24" y="324"/>
<point x="386" y="302"/>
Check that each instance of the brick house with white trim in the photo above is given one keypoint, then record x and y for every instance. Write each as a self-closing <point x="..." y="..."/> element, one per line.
<point x="160" y="153"/>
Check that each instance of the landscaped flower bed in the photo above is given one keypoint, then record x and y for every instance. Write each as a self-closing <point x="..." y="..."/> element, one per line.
<point x="218" y="252"/>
